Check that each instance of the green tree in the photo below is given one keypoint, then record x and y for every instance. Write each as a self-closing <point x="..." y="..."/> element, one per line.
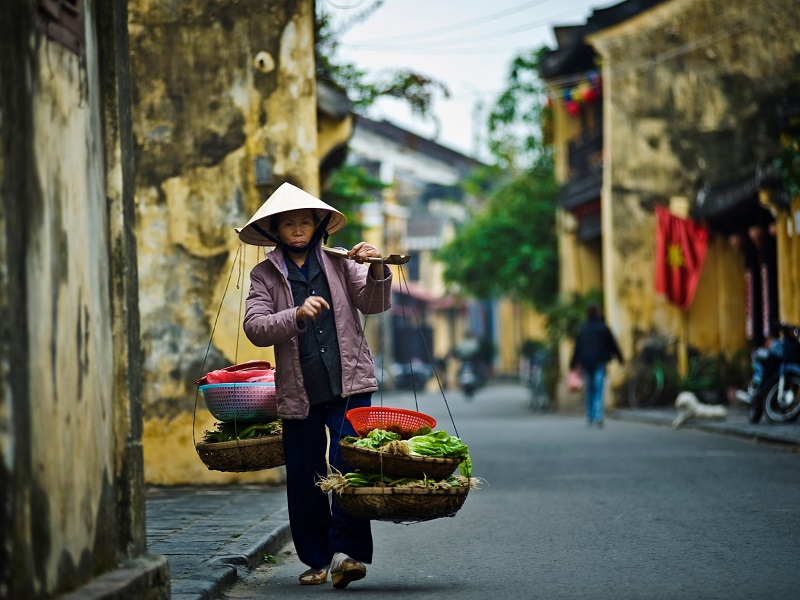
<point x="349" y="187"/>
<point x="363" y="88"/>
<point x="516" y="122"/>
<point x="510" y="247"/>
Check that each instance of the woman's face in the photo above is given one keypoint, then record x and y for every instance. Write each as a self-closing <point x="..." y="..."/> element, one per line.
<point x="296" y="227"/>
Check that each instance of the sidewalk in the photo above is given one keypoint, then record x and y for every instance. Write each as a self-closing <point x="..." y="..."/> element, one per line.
<point x="206" y="533"/>
<point x="736" y="423"/>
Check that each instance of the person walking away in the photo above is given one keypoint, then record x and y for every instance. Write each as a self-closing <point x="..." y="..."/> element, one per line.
<point x="305" y="303"/>
<point x="595" y="347"/>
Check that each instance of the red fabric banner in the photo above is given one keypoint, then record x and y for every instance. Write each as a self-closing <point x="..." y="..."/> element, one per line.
<point x="681" y="247"/>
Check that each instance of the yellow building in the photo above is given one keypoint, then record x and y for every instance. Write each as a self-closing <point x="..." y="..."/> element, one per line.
<point x="226" y="107"/>
<point x="684" y="118"/>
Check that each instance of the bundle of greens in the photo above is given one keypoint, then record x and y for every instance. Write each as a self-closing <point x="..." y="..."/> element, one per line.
<point x="337" y="482"/>
<point x="432" y="443"/>
<point x="228" y="432"/>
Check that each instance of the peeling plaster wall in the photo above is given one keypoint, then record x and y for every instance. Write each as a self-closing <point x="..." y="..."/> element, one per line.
<point x="216" y="84"/>
<point x="68" y="433"/>
<point x="690" y="90"/>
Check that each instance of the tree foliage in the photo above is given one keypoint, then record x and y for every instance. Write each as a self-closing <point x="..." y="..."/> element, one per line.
<point x="348" y="189"/>
<point x="510" y="247"/>
<point x="515" y="123"/>
<point x="363" y="89"/>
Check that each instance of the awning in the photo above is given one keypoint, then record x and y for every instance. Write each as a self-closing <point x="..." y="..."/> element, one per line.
<point x="413" y="289"/>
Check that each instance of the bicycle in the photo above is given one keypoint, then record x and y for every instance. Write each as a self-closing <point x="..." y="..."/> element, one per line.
<point x="655" y="367"/>
<point x="657" y="377"/>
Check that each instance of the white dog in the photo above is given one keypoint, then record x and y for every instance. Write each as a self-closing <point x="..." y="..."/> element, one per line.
<point x="689" y="407"/>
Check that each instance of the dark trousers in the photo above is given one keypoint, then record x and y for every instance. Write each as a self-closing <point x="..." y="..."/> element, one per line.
<point x="319" y="526"/>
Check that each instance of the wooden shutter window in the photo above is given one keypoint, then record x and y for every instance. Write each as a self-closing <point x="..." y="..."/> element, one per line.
<point x="62" y="21"/>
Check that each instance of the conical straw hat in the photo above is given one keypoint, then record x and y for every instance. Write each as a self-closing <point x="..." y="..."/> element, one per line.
<point x="287" y="197"/>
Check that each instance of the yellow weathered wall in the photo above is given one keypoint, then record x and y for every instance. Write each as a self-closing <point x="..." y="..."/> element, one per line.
<point x="217" y="85"/>
<point x="672" y="123"/>
<point x="786" y="232"/>
<point x="71" y="491"/>
<point x="70" y="337"/>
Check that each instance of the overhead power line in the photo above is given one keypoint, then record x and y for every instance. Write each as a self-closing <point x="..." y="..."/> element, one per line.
<point x="438" y="44"/>
<point x="395" y="43"/>
<point x="417" y="35"/>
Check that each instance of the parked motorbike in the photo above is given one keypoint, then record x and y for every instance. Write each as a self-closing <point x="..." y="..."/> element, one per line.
<point x="470" y="378"/>
<point x="775" y="384"/>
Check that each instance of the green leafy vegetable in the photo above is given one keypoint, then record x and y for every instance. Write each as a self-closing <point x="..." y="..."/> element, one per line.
<point x="359" y="479"/>
<point x="440" y="444"/>
<point x="375" y="439"/>
<point x="227" y="432"/>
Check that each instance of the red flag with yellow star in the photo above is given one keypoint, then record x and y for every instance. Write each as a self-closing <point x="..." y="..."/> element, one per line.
<point x="681" y="247"/>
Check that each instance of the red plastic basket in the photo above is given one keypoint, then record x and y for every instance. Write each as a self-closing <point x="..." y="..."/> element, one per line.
<point x="398" y="420"/>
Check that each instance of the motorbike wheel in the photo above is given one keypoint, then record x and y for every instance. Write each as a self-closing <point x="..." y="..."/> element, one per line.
<point x="785" y="408"/>
<point x="469" y="392"/>
<point x="756" y="408"/>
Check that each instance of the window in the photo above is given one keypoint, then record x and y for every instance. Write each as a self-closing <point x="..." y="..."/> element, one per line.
<point x="62" y="21"/>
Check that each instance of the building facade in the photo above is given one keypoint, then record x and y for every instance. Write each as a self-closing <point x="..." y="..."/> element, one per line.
<point x="226" y="108"/>
<point x="692" y="92"/>
<point x="71" y="465"/>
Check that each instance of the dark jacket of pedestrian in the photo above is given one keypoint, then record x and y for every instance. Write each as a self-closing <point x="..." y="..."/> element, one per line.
<point x="595" y="344"/>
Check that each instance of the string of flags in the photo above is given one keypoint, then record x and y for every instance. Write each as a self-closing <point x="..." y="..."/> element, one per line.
<point x="585" y="92"/>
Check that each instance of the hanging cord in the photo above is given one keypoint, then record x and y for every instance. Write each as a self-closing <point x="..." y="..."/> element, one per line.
<point x="403" y="280"/>
<point x="361" y="344"/>
<point x="211" y="337"/>
<point x="239" y="285"/>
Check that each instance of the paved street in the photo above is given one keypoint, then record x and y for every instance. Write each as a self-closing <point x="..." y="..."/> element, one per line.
<point x="634" y="510"/>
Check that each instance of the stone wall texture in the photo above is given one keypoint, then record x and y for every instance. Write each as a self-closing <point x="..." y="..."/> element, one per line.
<point x="71" y="483"/>
<point x="217" y="86"/>
<point x="691" y="89"/>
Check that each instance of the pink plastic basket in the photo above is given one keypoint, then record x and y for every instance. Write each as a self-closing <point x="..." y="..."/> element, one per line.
<point x="230" y="402"/>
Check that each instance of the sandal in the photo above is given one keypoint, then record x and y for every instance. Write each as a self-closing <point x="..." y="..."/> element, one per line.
<point x="314" y="576"/>
<point x="346" y="571"/>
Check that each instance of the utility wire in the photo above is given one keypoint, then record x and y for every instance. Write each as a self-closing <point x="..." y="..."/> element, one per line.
<point x="356" y="4"/>
<point x="390" y="44"/>
<point x="417" y="35"/>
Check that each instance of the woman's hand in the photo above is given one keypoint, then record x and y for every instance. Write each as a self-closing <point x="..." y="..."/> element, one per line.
<point x="362" y="251"/>
<point x="311" y="307"/>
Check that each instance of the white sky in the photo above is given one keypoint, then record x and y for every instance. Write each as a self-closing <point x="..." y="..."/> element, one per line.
<point x="467" y="44"/>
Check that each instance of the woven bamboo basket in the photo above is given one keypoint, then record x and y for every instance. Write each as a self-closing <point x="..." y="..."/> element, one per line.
<point x="402" y="505"/>
<point x="240" y="456"/>
<point x="416" y="467"/>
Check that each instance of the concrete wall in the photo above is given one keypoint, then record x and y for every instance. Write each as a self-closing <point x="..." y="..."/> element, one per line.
<point x="71" y="486"/>
<point x="217" y="86"/>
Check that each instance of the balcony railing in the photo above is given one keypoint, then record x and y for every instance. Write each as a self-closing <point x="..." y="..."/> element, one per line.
<point x="585" y="177"/>
<point x="585" y="155"/>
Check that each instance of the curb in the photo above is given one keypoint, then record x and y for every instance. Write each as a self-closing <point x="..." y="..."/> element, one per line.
<point x="136" y="578"/>
<point x="788" y="434"/>
<point x="222" y="571"/>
